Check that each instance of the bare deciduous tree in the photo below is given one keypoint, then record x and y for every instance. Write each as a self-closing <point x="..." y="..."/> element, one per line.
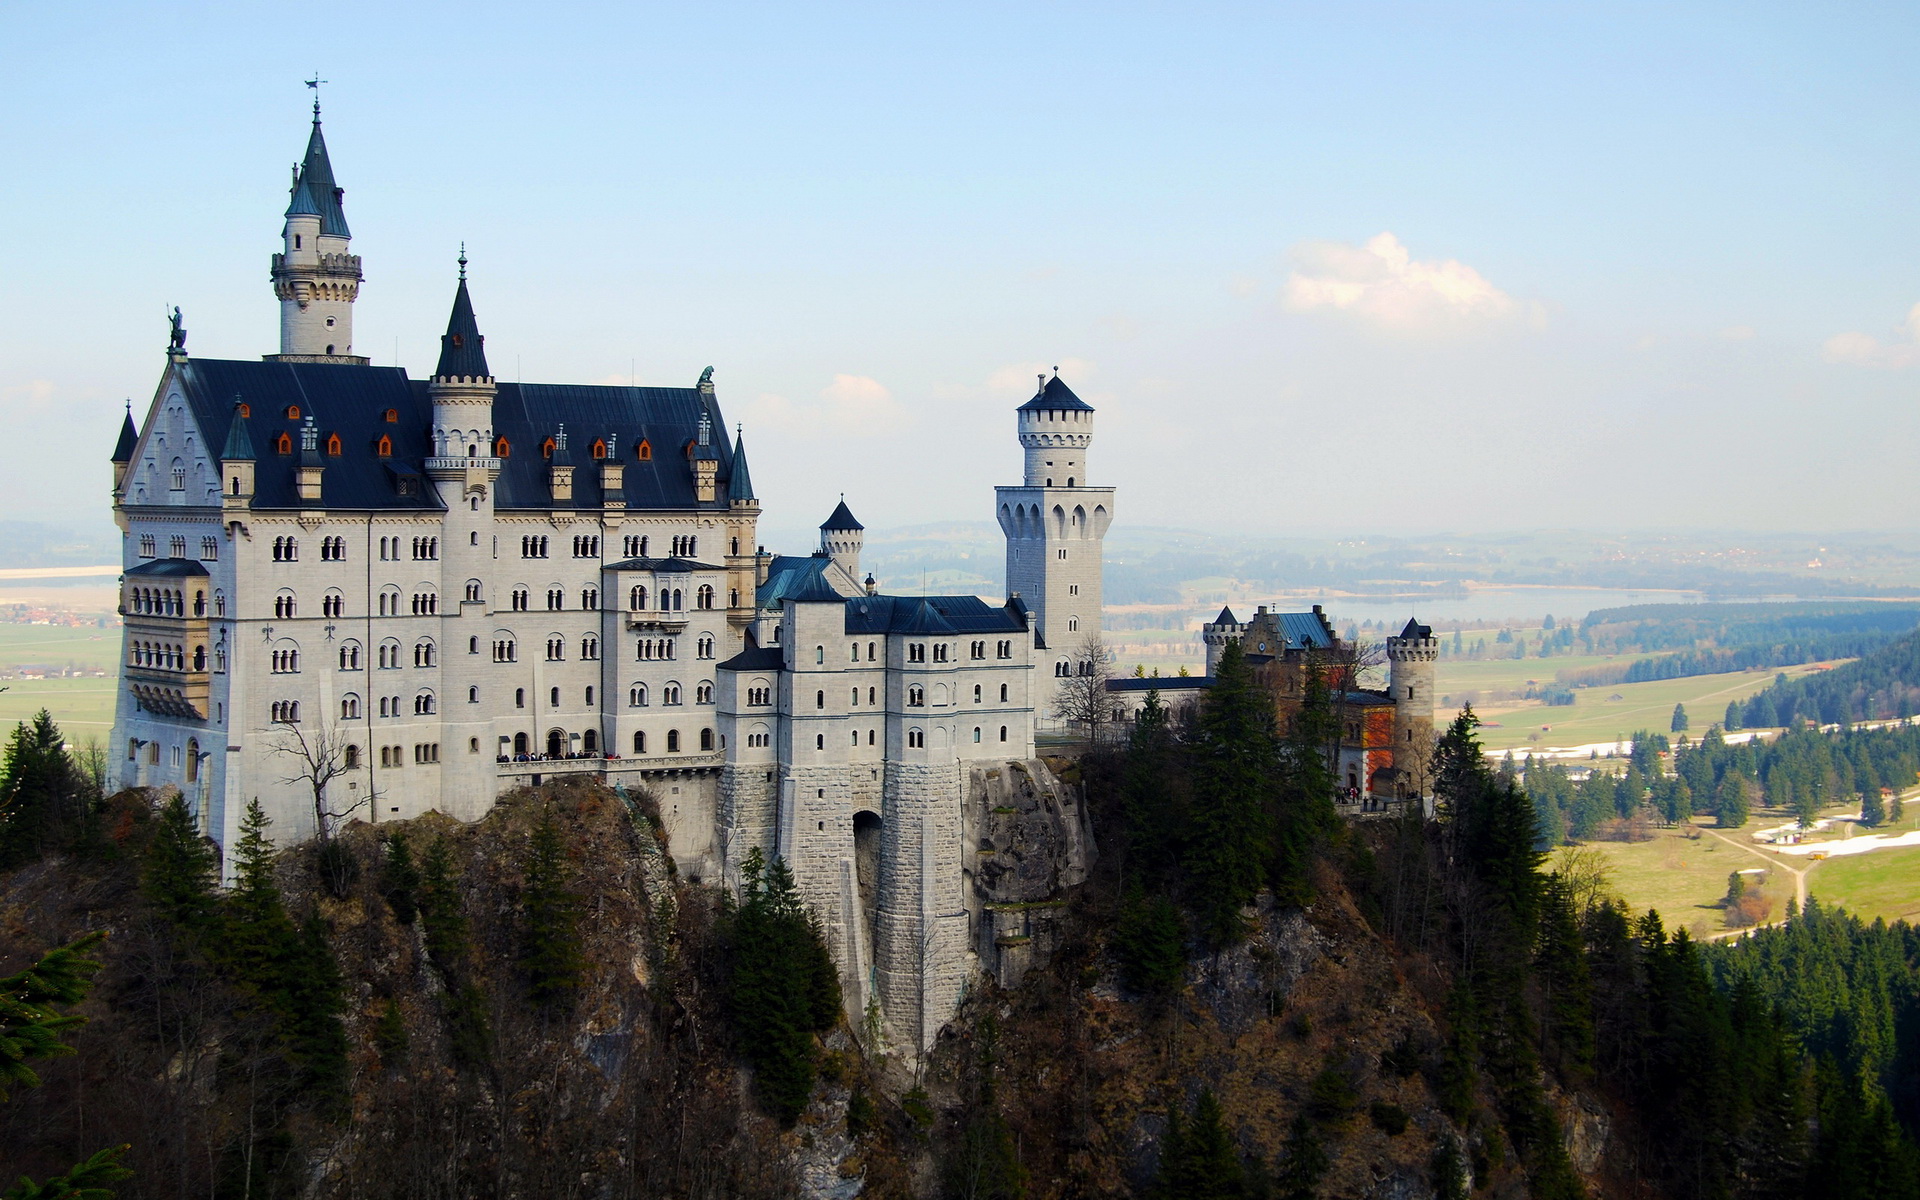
<point x="319" y="759"/>
<point x="1082" y="700"/>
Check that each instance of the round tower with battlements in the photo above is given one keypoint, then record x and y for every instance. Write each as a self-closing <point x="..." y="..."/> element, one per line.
<point x="841" y="536"/>
<point x="1410" y="682"/>
<point x="1218" y="634"/>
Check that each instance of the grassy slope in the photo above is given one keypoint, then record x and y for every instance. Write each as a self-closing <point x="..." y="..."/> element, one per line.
<point x="1684" y="879"/>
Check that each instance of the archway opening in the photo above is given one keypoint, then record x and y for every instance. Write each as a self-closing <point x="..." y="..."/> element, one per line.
<point x="556" y="743"/>
<point x="520" y="743"/>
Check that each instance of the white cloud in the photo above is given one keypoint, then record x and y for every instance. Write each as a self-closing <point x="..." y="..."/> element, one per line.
<point x="1019" y="379"/>
<point x="1382" y="284"/>
<point x="33" y="394"/>
<point x="852" y="405"/>
<point x="1865" y="350"/>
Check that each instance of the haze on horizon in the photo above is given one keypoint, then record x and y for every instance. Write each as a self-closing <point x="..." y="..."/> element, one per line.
<point x="1327" y="268"/>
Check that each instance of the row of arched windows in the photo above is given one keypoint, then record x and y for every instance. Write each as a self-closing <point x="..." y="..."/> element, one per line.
<point x="164" y="602"/>
<point x="161" y="656"/>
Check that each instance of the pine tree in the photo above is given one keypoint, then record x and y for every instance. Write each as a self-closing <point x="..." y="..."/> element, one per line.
<point x="550" y="938"/>
<point x="40" y="794"/>
<point x="399" y="878"/>
<point x="31" y="1025"/>
<point x="1566" y="986"/>
<point x="1730" y="801"/>
<point x="1679" y="722"/>
<point x="1151" y="944"/>
<point x="782" y="985"/>
<point x="179" y="867"/>
<point x="1732" y="720"/>
<point x="1303" y="1164"/>
<point x="1197" y="1160"/>
<point x="1235" y="764"/>
<point x="441" y="909"/>
<point x="1873" y="810"/>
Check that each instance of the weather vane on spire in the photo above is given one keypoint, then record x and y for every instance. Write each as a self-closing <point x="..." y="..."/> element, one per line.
<point x="315" y="83"/>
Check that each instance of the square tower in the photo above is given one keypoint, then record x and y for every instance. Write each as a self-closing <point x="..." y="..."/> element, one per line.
<point x="1055" y="523"/>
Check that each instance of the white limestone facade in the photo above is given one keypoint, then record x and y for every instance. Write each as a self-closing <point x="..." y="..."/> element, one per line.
<point x="440" y="590"/>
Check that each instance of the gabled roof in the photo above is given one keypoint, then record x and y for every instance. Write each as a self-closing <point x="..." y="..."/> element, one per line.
<point x="842" y="520"/>
<point x="1055" y="396"/>
<point x="1415" y="629"/>
<point x="1308" y="629"/>
<point x="666" y="418"/>
<point x="931" y="615"/>
<point x="463" y="352"/>
<point x="794" y="578"/>
<point x="316" y="189"/>
<point x="129" y="438"/>
<point x="740" y="487"/>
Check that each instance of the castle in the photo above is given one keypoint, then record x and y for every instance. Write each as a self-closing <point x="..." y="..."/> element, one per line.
<point x="349" y="593"/>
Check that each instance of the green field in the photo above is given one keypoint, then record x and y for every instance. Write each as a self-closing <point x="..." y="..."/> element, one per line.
<point x="1595" y="715"/>
<point x="1885" y="883"/>
<point x="82" y="706"/>
<point x="1684" y="878"/>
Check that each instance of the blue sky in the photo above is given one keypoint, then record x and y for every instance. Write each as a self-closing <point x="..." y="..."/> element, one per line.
<point x="1345" y="267"/>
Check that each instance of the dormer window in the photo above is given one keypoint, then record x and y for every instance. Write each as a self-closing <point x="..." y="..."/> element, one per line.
<point x="393" y="416"/>
<point x="458" y="341"/>
<point x="246" y="410"/>
<point x="645" y="450"/>
<point x="283" y="444"/>
<point x="293" y="412"/>
<point x="333" y="445"/>
<point x="384" y="447"/>
<point x="500" y="448"/>
<point x="599" y="448"/>
<point x="546" y="448"/>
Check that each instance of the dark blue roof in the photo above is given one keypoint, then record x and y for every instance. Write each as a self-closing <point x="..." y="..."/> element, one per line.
<point x="1305" y="629"/>
<point x="842" y="520"/>
<point x="167" y="568"/>
<point x="671" y="566"/>
<point x="667" y="419"/>
<point x="1226" y="617"/>
<point x="1415" y="629"/>
<point x="1165" y="683"/>
<point x="316" y="186"/>
<point x="352" y="401"/>
<point x="129" y="438"/>
<point x="1055" y="397"/>
<point x="756" y="658"/>
<point x="239" y="444"/>
<point x="740" y="487"/>
<point x="931" y="614"/>
<point x="790" y="577"/>
<point x="463" y="353"/>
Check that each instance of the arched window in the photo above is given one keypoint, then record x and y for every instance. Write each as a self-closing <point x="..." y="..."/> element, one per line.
<point x="384" y="447"/>
<point x="819" y="741"/>
<point x="546" y="448"/>
<point x="1003" y="733"/>
<point x="590" y="741"/>
<point x="976" y="733"/>
<point x="393" y="416"/>
<point x="349" y="707"/>
<point x="473" y="695"/>
<point x="706" y="739"/>
<point x="353" y="757"/>
<point x="333" y="445"/>
<point x="976" y="698"/>
<point x="639" y="742"/>
<point x="916" y="697"/>
<point x="819" y="699"/>
<point x="643" y="452"/>
<point x="1003" y="698"/>
<point x="637" y="695"/>
<point x="599" y="448"/>
<point x="293" y="412"/>
<point x="673" y="741"/>
<point x="423" y="704"/>
<point x="501" y="448"/>
<point x="704" y="598"/>
<point x="637" y="598"/>
<point x="819" y="654"/>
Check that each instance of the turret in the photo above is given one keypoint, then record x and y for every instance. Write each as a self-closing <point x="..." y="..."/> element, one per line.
<point x="314" y="277"/>
<point x="1056" y="430"/>
<point x="236" y="461"/>
<point x="841" y="537"/>
<point x="462" y="393"/>
<point x="740" y="483"/>
<point x="1218" y="634"/>
<point x="123" y="451"/>
<point x="1410" y="682"/>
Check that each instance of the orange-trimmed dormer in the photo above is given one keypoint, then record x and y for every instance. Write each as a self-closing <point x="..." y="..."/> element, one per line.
<point x="501" y="447"/>
<point x="644" y="451"/>
<point x="333" y="445"/>
<point x="393" y="416"/>
<point x="293" y="412"/>
<point x="599" y="447"/>
<point x="546" y="448"/>
<point x="284" y="443"/>
<point x="384" y="447"/>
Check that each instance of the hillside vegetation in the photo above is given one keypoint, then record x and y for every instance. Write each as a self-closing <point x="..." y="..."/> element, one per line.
<point x="1248" y="1000"/>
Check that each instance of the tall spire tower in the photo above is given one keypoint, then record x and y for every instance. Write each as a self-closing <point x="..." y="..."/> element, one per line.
<point x="1056" y="524"/>
<point x="314" y="278"/>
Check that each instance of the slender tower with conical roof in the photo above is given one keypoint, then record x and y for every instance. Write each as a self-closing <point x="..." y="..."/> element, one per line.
<point x="314" y="277"/>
